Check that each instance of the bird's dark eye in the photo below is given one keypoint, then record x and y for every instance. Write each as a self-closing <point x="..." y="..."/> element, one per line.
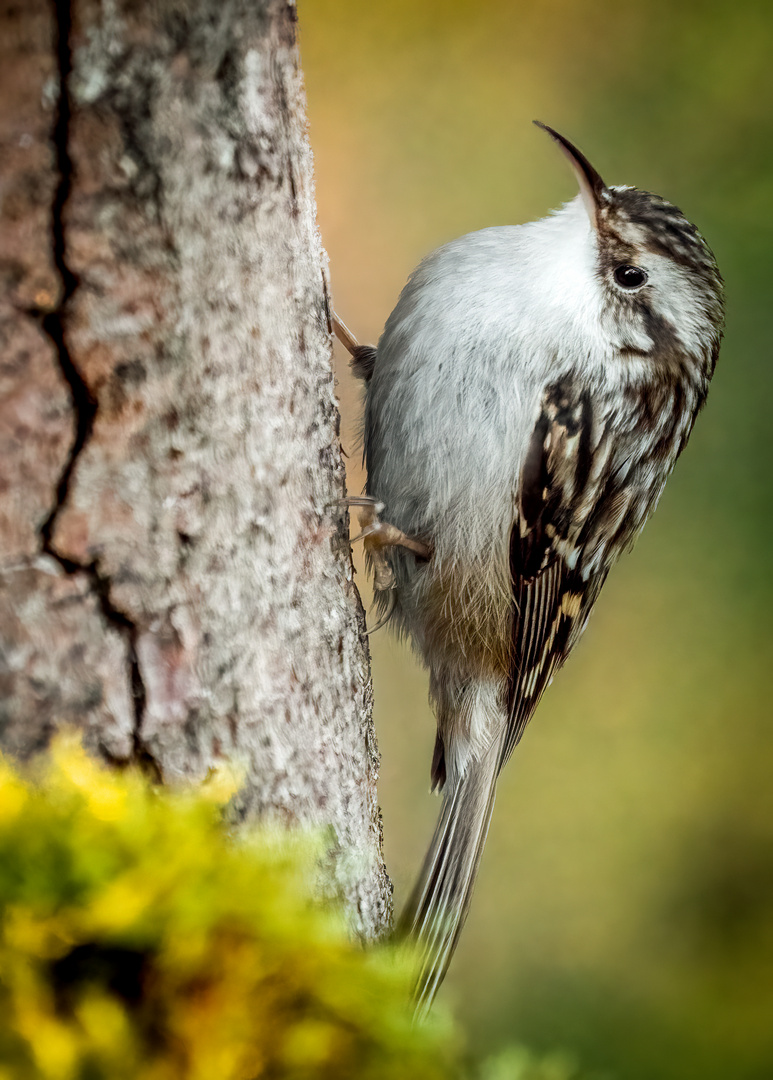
<point x="630" y="277"/>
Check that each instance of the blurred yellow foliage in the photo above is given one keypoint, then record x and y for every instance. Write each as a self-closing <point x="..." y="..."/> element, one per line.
<point x="139" y="939"/>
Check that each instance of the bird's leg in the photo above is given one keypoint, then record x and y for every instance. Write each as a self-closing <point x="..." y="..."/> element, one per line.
<point x="363" y="357"/>
<point x="344" y="335"/>
<point x="379" y="535"/>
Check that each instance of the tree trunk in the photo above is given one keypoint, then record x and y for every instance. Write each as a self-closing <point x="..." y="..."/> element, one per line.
<point x="176" y="578"/>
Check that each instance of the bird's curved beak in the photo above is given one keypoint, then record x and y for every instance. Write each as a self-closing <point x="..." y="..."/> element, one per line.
<point x="592" y="187"/>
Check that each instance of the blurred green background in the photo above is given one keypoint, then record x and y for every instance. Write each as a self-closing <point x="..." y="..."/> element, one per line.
<point x="625" y="905"/>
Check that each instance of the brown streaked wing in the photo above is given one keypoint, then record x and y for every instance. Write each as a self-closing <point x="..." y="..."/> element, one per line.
<point x="550" y="599"/>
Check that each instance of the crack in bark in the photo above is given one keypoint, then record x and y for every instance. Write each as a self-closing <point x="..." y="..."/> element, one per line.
<point x="84" y="402"/>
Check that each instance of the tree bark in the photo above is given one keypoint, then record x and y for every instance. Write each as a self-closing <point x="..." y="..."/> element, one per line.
<point x="176" y="578"/>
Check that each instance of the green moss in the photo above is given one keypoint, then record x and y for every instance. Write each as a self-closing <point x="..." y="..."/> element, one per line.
<point x="140" y="939"/>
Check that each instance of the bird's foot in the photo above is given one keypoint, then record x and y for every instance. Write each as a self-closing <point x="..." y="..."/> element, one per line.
<point x="344" y="335"/>
<point x="378" y="536"/>
<point x="363" y="356"/>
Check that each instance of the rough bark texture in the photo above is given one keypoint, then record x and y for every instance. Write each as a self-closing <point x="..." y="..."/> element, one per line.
<point x="175" y="577"/>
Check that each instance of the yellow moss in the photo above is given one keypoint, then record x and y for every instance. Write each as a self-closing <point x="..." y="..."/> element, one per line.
<point x="106" y="1027"/>
<point x="13" y="795"/>
<point x="106" y="800"/>
<point x="138" y="938"/>
<point x="54" y="1044"/>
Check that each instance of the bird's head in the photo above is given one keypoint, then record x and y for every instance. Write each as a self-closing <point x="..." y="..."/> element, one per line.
<point x="661" y="291"/>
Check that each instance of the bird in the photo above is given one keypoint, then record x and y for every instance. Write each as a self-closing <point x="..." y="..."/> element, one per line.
<point x="523" y="408"/>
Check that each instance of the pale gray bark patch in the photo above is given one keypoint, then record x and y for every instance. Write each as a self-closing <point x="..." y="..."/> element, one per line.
<point x="187" y="520"/>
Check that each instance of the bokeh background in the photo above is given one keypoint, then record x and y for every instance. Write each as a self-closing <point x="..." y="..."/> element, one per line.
<point x="625" y="907"/>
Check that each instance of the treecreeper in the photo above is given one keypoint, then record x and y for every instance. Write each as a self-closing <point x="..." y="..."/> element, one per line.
<point x="524" y="407"/>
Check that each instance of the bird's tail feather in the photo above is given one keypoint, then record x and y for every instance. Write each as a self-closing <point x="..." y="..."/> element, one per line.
<point x="438" y="906"/>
